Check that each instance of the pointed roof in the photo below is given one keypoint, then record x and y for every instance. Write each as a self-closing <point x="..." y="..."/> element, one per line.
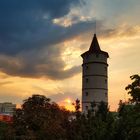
<point x="94" y="47"/>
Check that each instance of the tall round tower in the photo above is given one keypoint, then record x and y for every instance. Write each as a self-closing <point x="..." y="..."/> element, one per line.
<point x="94" y="76"/>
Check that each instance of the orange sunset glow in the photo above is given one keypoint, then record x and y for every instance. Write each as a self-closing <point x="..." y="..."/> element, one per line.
<point x="67" y="103"/>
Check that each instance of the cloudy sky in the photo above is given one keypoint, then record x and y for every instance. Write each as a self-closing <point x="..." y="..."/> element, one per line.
<point x="41" y="42"/>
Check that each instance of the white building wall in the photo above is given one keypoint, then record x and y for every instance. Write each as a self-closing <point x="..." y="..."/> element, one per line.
<point x="96" y="58"/>
<point x="7" y="108"/>
<point x="94" y="80"/>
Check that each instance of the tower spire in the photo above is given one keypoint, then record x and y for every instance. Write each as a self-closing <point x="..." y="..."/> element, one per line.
<point x="94" y="47"/>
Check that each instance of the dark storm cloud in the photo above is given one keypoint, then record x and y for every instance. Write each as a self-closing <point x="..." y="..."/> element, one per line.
<point x="25" y="23"/>
<point x="46" y="63"/>
<point x="30" y="43"/>
<point x="27" y="31"/>
<point x="26" y="27"/>
<point x="40" y="57"/>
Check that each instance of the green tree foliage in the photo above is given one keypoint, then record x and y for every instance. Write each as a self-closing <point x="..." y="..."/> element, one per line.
<point x="124" y="125"/>
<point x="41" y="119"/>
<point x="93" y="126"/>
<point x="77" y="108"/>
<point x="3" y="130"/>
<point x="6" y="131"/>
<point x="134" y="88"/>
<point x="128" y="123"/>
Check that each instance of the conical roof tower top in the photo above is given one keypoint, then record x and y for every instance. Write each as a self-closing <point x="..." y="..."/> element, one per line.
<point x="95" y="48"/>
<point x="94" y="44"/>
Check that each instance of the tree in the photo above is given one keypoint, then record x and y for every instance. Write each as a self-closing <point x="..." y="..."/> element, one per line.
<point x="134" y="88"/>
<point x="3" y="130"/>
<point x="39" y="118"/>
<point x="77" y="108"/>
<point x="102" y="110"/>
<point x="6" y="131"/>
<point x="128" y="124"/>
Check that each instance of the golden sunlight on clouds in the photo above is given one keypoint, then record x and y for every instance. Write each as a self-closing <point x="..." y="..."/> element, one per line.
<point x="69" y="21"/>
<point x="123" y="62"/>
<point x="122" y="32"/>
<point x="71" y="54"/>
<point x="3" y="75"/>
<point x="123" y="51"/>
<point x="63" y="22"/>
<point x="75" y="15"/>
<point x="18" y="89"/>
<point x="22" y="88"/>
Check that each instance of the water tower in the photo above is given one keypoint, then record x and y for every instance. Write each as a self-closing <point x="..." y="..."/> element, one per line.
<point x="94" y="76"/>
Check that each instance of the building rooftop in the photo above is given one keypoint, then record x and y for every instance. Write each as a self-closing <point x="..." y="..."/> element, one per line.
<point x="95" y="48"/>
<point x="94" y="45"/>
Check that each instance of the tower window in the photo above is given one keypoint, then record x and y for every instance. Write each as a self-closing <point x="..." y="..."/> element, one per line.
<point x="86" y="93"/>
<point x="87" y="80"/>
<point x="86" y="107"/>
<point x="105" y="80"/>
<point x="86" y="56"/>
<point x="97" y="55"/>
<point x="106" y="94"/>
<point x="105" y="68"/>
<point x="87" y="67"/>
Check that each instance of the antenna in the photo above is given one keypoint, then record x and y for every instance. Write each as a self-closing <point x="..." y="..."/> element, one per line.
<point x="95" y="25"/>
